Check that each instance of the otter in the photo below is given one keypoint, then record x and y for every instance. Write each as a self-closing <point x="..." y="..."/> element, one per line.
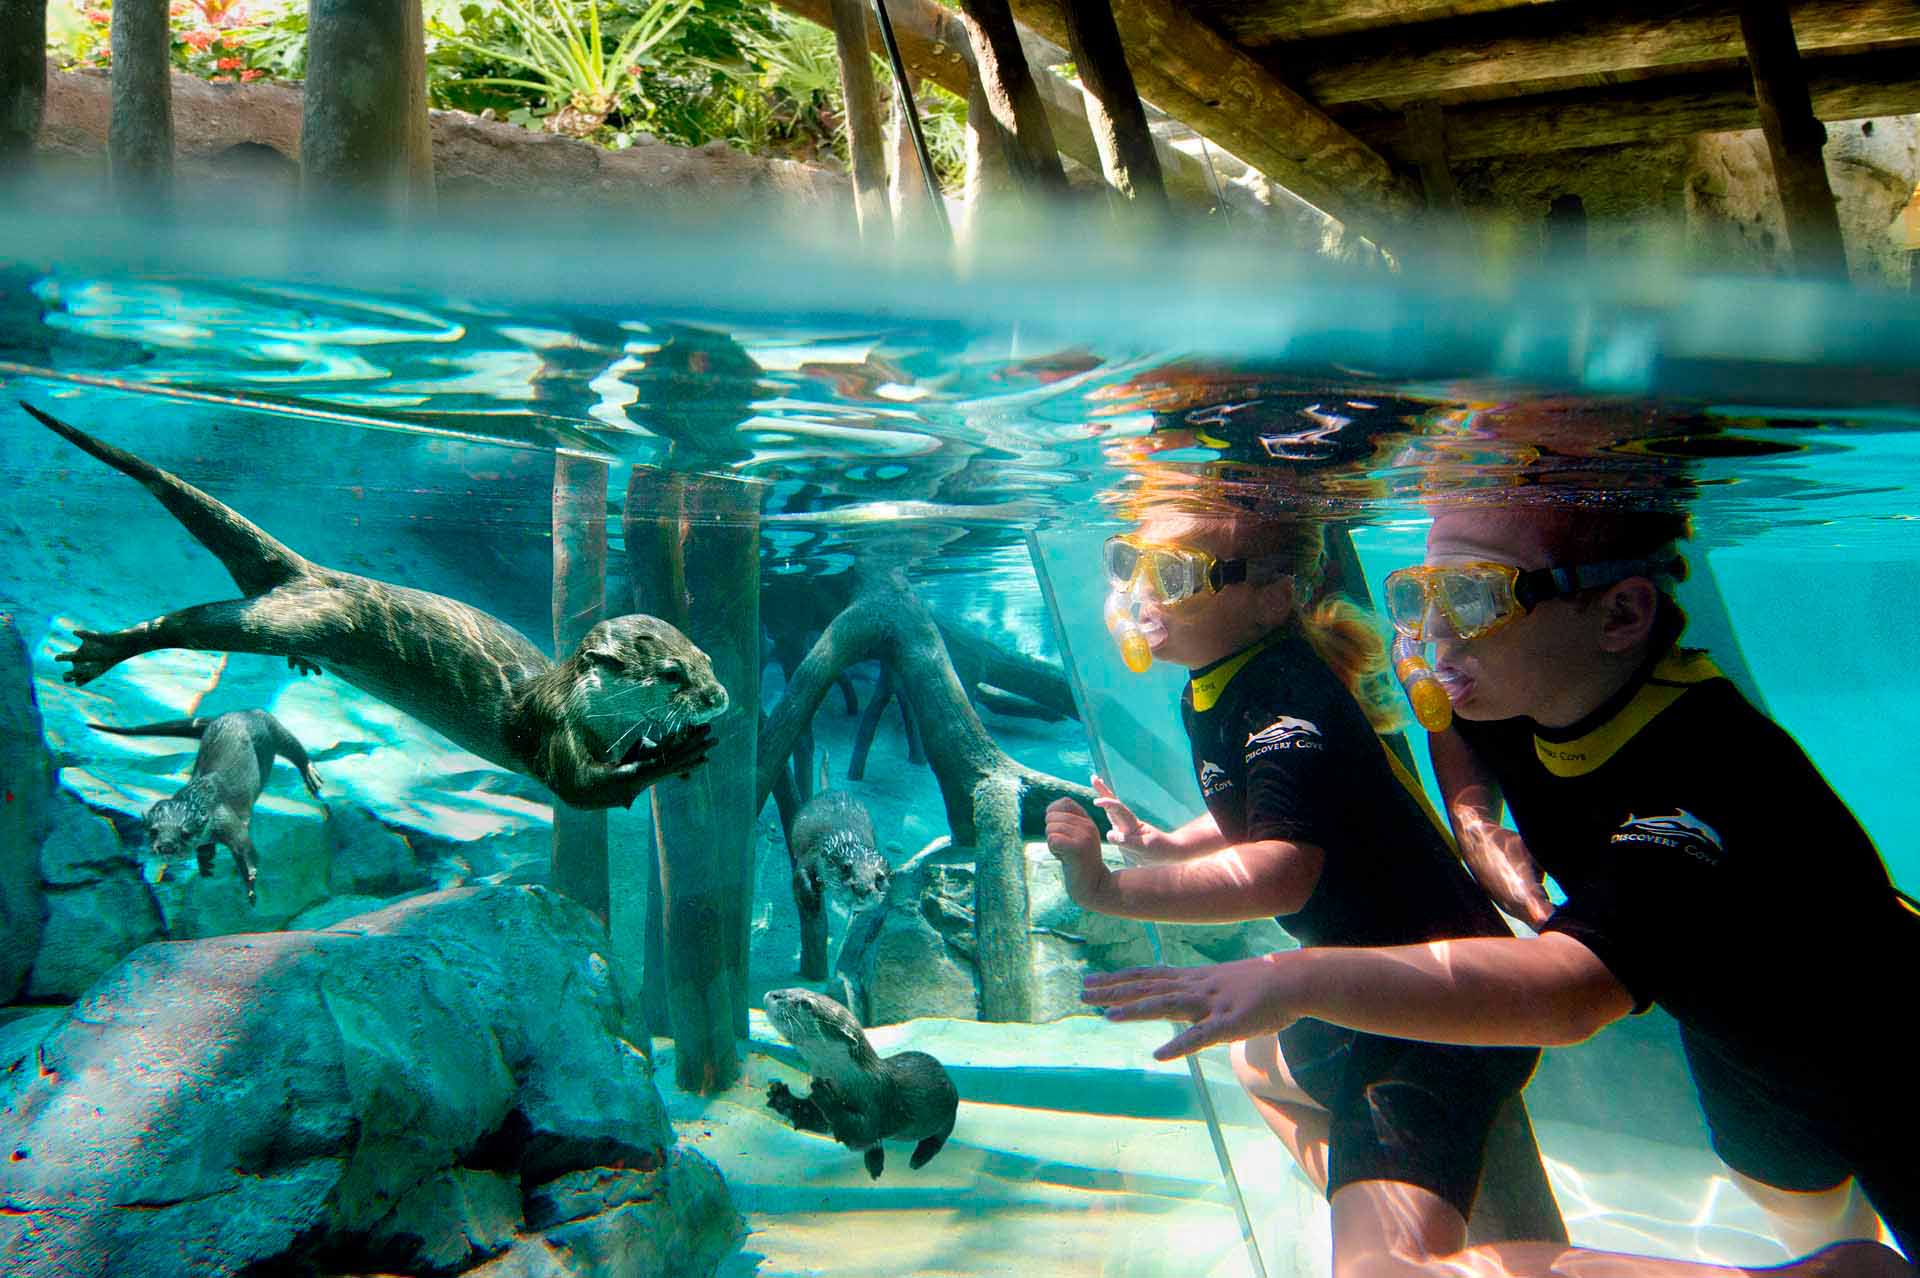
<point x="856" y="1097"/>
<point x="216" y="805"/>
<point x="631" y="706"/>
<point x="834" y="850"/>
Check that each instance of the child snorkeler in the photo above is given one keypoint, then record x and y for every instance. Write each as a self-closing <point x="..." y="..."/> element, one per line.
<point x="1309" y="818"/>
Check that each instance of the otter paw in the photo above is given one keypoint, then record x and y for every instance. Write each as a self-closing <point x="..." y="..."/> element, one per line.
<point x="302" y="666"/>
<point x="97" y="654"/>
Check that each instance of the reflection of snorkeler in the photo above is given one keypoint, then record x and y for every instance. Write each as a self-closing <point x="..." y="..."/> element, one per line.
<point x="1310" y="819"/>
<point x="1575" y="705"/>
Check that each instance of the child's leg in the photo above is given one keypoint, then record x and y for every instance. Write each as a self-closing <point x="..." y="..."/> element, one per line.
<point x="1300" y="1123"/>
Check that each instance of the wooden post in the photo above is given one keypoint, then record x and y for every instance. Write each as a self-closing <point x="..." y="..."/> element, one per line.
<point x="140" y="132"/>
<point x="1566" y="238"/>
<point x="991" y="183"/>
<point x="1114" y="112"/>
<point x="364" y="133"/>
<point x="1794" y="139"/>
<point x="579" y="866"/>
<point x="1007" y="90"/>
<point x="864" y="146"/>
<point x="694" y="546"/>
<point x="1002" y="918"/>
<point x="23" y="84"/>
<point x="1427" y="140"/>
<point x="906" y="187"/>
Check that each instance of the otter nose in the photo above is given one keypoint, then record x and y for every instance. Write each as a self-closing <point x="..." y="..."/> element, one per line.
<point x="718" y="701"/>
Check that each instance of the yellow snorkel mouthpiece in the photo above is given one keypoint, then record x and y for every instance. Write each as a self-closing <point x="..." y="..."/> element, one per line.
<point x="1432" y="707"/>
<point x="1124" y="626"/>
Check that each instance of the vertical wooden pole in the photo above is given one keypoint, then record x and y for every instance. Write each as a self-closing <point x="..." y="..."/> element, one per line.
<point x="864" y="146"/>
<point x="1008" y="92"/>
<point x="579" y="603"/>
<point x="364" y="135"/>
<point x="991" y="184"/>
<point x="23" y="84"/>
<point x="1114" y="112"/>
<point x="906" y="188"/>
<point x="1566" y="238"/>
<point x="1794" y="139"/>
<point x="1427" y="139"/>
<point x="140" y="130"/>
<point x="694" y="546"/>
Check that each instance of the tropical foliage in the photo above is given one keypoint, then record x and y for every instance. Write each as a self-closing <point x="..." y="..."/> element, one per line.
<point x="685" y="71"/>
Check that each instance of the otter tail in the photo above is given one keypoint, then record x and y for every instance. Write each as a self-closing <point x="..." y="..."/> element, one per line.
<point x="195" y="727"/>
<point x="256" y="562"/>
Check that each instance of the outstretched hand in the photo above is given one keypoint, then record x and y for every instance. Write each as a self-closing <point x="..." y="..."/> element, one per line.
<point x="1127" y="830"/>
<point x="1227" y="1002"/>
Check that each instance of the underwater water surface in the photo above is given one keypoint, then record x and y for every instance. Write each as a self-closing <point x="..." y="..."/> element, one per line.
<point x="402" y="410"/>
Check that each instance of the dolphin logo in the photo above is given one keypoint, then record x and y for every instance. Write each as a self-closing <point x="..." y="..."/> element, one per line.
<point x="1680" y="829"/>
<point x="1212" y="776"/>
<point x="1286" y="730"/>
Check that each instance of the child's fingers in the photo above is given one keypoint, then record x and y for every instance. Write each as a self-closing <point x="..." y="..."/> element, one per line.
<point x="1102" y="789"/>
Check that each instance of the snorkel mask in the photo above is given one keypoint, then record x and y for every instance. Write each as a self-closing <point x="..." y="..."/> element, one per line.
<point x="1143" y="572"/>
<point x="1473" y="600"/>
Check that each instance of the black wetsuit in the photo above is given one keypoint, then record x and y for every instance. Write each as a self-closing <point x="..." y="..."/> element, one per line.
<point x="1285" y="752"/>
<point x="1714" y="871"/>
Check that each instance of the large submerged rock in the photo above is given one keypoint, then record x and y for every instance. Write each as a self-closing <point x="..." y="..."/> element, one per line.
<point x="26" y="792"/>
<point x="438" y="1085"/>
<point x="912" y="955"/>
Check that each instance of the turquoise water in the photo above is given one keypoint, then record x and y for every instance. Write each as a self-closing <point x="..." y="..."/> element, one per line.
<point x="394" y="407"/>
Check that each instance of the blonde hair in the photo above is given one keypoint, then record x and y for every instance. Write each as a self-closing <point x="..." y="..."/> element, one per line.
<point x="1345" y="636"/>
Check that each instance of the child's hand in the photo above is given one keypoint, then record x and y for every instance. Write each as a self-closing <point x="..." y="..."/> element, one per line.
<point x="1071" y="833"/>
<point x="1128" y="831"/>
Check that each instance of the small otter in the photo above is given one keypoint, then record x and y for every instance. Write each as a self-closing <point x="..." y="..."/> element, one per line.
<point x="834" y="849"/>
<point x="629" y="707"/>
<point x="229" y="772"/>
<point x="857" y="1098"/>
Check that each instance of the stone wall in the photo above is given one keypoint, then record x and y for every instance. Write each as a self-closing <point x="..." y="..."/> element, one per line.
<point x="246" y="137"/>
<point x="1706" y="203"/>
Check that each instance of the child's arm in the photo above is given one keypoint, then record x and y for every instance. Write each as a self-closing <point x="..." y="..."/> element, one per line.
<point x="1497" y="856"/>
<point x="1232" y="884"/>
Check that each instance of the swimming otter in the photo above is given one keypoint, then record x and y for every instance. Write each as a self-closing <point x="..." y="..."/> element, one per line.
<point x="229" y="772"/>
<point x="629" y="707"/>
<point x="834" y="849"/>
<point x="857" y="1098"/>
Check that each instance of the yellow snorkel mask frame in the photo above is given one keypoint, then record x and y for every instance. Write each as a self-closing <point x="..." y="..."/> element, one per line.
<point x="1475" y="599"/>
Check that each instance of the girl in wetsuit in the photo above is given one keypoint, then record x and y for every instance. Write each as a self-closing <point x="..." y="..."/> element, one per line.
<point x="1310" y="818"/>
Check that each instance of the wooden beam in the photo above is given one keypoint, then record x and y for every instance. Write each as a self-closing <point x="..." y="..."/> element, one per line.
<point x="1193" y="74"/>
<point x="1850" y="87"/>
<point x="1113" y="105"/>
<point x="140" y="129"/>
<point x="23" y="83"/>
<point x="1427" y="140"/>
<point x="1304" y="19"/>
<point x="1795" y="139"/>
<point x="934" y="46"/>
<point x="1562" y="44"/>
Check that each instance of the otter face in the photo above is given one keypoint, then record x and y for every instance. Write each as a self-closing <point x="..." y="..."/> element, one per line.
<point x="857" y="869"/>
<point x="174" y="828"/>
<point x="825" y="1034"/>
<point x="643" y="688"/>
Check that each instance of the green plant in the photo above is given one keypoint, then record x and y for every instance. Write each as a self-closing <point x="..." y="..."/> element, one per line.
<point x="567" y="60"/>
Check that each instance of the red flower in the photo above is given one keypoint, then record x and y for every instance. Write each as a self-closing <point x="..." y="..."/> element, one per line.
<point x="232" y="41"/>
<point x="229" y="64"/>
<point x="197" y="39"/>
<point x="251" y="73"/>
<point x="99" y="17"/>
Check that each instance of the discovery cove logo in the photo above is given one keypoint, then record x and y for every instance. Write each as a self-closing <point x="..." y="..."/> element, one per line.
<point x="1284" y="733"/>
<point x="1213" y="779"/>
<point x="1680" y="830"/>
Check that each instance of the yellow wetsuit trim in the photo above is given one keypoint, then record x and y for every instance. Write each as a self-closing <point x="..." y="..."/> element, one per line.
<point x="1675" y="673"/>
<point x="1207" y="688"/>
<point x="1411" y="784"/>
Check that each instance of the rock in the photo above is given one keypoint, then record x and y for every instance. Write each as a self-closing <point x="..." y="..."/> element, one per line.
<point x="448" y="1223"/>
<point x="26" y="791"/>
<point x="369" y="858"/>
<point x="392" y="1086"/>
<point x="912" y="956"/>
<point x="678" y="1222"/>
<point x="228" y="138"/>
<point x="1733" y="208"/>
<point x="99" y="907"/>
<point x="335" y="910"/>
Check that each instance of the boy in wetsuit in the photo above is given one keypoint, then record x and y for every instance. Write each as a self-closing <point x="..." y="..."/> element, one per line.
<point x="1708" y="867"/>
<point x="1311" y="819"/>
